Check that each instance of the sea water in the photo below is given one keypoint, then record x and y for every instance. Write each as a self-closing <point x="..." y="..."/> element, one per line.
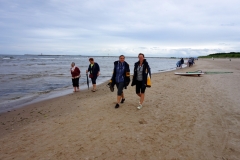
<point x="26" y="79"/>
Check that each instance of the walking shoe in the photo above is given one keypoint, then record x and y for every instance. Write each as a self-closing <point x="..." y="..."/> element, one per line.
<point x="117" y="105"/>
<point x="139" y="107"/>
<point x="122" y="101"/>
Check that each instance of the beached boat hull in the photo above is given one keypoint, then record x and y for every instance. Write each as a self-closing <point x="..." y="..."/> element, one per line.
<point x="188" y="74"/>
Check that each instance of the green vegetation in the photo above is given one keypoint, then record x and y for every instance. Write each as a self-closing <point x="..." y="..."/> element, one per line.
<point x="222" y="55"/>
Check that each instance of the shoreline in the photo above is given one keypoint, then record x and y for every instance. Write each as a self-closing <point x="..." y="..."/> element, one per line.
<point x="38" y="97"/>
<point x="34" y="104"/>
<point x="183" y="117"/>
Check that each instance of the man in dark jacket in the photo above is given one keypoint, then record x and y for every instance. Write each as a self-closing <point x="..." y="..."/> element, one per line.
<point x="120" y="77"/>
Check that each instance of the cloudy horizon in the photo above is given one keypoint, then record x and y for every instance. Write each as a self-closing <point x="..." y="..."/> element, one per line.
<point x="111" y="27"/>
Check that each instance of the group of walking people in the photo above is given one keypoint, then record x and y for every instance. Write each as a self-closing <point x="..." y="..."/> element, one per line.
<point x="120" y="77"/>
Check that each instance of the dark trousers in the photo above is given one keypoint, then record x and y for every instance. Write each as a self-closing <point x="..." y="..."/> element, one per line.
<point x="75" y="82"/>
<point x="120" y="87"/>
<point x="94" y="80"/>
<point x="139" y="87"/>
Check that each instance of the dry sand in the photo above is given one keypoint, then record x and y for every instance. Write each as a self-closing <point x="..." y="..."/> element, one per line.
<point x="183" y="117"/>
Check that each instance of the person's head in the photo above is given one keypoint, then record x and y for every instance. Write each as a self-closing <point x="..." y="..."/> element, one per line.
<point x="121" y="58"/>
<point x="141" y="57"/>
<point x="91" y="60"/>
<point x="72" y="64"/>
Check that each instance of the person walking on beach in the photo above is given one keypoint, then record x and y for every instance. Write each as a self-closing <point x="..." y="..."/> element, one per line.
<point x="141" y="71"/>
<point x="75" y="71"/>
<point x="120" y="77"/>
<point x="94" y="70"/>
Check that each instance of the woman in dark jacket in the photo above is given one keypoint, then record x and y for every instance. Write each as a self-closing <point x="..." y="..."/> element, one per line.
<point x="141" y="71"/>
<point x="94" y="70"/>
<point x="120" y="77"/>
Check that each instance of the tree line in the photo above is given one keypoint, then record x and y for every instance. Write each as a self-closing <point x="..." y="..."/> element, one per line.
<point x="222" y="55"/>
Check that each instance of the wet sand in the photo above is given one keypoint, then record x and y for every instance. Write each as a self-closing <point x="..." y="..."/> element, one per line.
<point x="183" y="117"/>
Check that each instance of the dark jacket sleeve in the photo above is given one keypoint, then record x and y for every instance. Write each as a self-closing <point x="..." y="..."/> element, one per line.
<point x="97" y="68"/>
<point x="78" y="71"/>
<point x="149" y="71"/>
<point x="146" y="72"/>
<point x="127" y="75"/>
<point x="134" y="75"/>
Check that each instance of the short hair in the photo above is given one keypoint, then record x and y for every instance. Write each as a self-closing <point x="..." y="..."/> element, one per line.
<point x="73" y="63"/>
<point x="91" y="59"/>
<point x="121" y="56"/>
<point x="141" y="54"/>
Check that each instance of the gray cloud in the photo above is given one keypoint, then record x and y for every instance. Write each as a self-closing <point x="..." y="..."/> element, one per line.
<point x="162" y="28"/>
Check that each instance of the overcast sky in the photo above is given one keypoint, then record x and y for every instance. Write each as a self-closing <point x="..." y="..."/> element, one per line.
<point x="112" y="27"/>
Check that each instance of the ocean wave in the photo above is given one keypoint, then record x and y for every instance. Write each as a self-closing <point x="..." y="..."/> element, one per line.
<point x="60" y="74"/>
<point x="7" y="74"/>
<point x="7" y="58"/>
<point x="24" y="77"/>
<point x="43" y="58"/>
<point x="6" y="77"/>
<point x="106" y="76"/>
<point x="44" y="92"/>
<point x="14" y="98"/>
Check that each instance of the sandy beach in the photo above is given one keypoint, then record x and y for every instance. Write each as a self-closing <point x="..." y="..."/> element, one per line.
<point x="183" y="118"/>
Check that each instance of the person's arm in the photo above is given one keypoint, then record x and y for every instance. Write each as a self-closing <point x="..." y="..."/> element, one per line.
<point x="78" y="71"/>
<point x="127" y="75"/>
<point x="98" y="70"/>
